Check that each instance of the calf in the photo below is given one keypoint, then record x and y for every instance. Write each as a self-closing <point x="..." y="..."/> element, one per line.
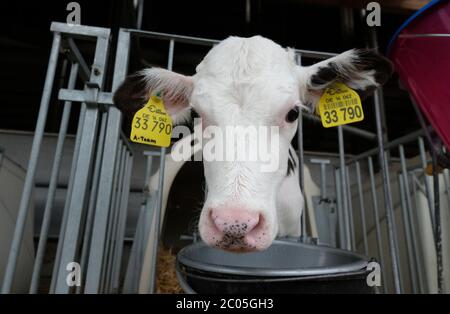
<point x="252" y="82"/>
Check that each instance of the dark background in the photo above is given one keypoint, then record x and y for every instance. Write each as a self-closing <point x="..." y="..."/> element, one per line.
<point x="25" y="41"/>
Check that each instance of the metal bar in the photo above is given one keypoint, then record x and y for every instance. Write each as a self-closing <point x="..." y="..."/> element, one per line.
<point x="157" y="220"/>
<point x="77" y="200"/>
<point x="104" y="98"/>
<point x="387" y="195"/>
<point x="347" y="128"/>
<point x="32" y="165"/>
<point x="342" y="234"/>
<point x="447" y="185"/>
<point x="87" y="32"/>
<point x="160" y="188"/>
<point x="394" y="224"/>
<point x="105" y="189"/>
<point x="344" y="187"/>
<point x="401" y="140"/>
<point x="73" y="169"/>
<point x="110" y="255"/>
<point x="75" y="55"/>
<point x="377" y="222"/>
<point x="83" y="166"/>
<point x="119" y="219"/>
<point x="413" y="214"/>
<point x="323" y="185"/>
<point x="212" y="42"/>
<point x="93" y="197"/>
<point x="350" y="211"/>
<point x="423" y="159"/>
<point x="409" y="225"/>
<point x="411" y="261"/>
<point x="301" y="158"/>
<point x="362" y="207"/>
<point x="126" y="142"/>
<point x="52" y="185"/>
<point x="123" y="219"/>
<point x="111" y="212"/>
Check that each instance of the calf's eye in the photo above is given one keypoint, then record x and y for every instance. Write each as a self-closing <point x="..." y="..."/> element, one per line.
<point x="292" y="115"/>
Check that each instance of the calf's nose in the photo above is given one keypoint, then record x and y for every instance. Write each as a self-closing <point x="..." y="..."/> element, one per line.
<point x="234" y="222"/>
<point x="236" y="230"/>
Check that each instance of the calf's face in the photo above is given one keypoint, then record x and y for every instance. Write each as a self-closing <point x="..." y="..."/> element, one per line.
<point x="248" y="92"/>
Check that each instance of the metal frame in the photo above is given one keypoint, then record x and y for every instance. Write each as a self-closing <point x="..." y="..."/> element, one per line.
<point x="88" y="197"/>
<point x="93" y="223"/>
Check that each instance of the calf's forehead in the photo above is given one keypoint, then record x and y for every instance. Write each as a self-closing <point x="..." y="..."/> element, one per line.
<point x="250" y="73"/>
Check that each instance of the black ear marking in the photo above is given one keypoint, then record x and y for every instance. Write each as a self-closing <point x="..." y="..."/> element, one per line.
<point x="324" y="75"/>
<point x="291" y="163"/>
<point x="369" y="59"/>
<point x="291" y="156"/>
<point x="290" y="167"/>
<point x="364" y="67"/>
<point x="132" y="94"/>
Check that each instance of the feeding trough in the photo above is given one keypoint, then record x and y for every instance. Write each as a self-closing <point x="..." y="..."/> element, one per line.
<point x="419" y="50"/>
<point x="285" y="267"/>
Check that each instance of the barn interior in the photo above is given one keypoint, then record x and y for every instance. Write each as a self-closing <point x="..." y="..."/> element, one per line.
<point x="325" y="25"/>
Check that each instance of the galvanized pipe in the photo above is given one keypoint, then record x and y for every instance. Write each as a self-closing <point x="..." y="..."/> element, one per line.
<point x="65" y="216"/>
<point x="392" y="144"/>
<point x="161" y="185"/>
<point x="423" y="159"/>
<point x="93" y="197"/>
<point x="123" y="219"/>
<point x="408" y="236"/>
<point x="32" y="165"/>
<point x="447" y="185"/>
<point x="111" y="212"/>
<point x="52" y="185"/>
<point x="387" y="196"/>
<point x="344" y="183"/>
<point x="350" y="211"/>
<point x="413" y="214"/>
<point x="409" y="223"/>
<point x="301" y="159"/>
<point x="212" y="42"/>
<point x="377" y="222"/>
<point x="113" y="237"/>
<point x="342" y="234"/>
<point x="83" y="164"/>
<point x="347" y="128"/>
<point x="362" y="208"/>
<point x="98" y="241"/>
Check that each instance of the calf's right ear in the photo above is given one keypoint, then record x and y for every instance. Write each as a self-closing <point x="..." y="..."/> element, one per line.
<point x="135" y="91"/>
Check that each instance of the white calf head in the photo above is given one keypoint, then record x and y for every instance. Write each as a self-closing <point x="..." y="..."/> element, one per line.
<point x="249" y="82"/>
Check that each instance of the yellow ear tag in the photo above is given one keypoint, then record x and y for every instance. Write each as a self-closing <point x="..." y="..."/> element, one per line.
<point x="339" y="105"/>
<point x="152" y="125"/>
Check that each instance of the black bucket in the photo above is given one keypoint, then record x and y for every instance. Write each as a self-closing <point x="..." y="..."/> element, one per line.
<point x="285" y="267"/>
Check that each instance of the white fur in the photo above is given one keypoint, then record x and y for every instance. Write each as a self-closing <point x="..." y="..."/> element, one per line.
<point x="252" y="81"/>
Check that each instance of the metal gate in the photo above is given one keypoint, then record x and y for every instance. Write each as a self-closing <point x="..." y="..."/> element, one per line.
<point x="93" y="224"/>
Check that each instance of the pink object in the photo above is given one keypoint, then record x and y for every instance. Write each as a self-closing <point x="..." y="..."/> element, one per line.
<point x="236" y="229"/>
<point x="420" y="51"/>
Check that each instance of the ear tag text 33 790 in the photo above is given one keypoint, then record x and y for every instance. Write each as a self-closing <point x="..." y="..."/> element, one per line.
<point x="152" y="125"/>
<point x="339" y="105"/>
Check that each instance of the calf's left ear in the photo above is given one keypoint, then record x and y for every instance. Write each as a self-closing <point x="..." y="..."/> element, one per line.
<point x="363" y="70"/>
<point x="135" y="91"/>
